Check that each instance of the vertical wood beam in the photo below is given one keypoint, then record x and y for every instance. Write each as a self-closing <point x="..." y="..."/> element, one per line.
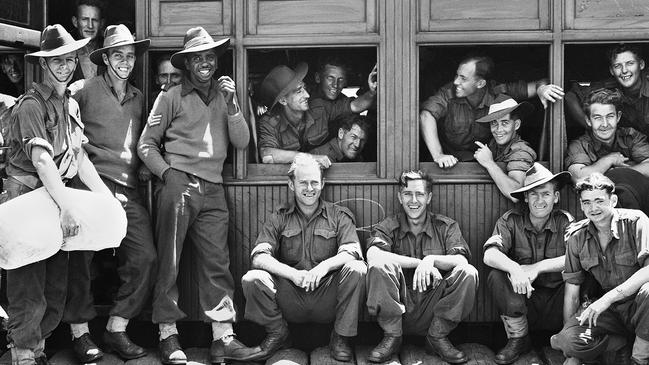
<point x="558" y="125"/>
<point x="398" y="73"/>
<point x="240" y="66"/>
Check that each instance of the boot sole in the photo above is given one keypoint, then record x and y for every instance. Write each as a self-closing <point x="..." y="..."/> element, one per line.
<point x="111" y="349"/>
<point x="450" y="361"/>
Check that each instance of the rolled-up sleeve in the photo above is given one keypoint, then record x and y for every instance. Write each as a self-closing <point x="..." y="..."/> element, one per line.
<point x="577" y="153"/>
<point x="267" y="241"/>
<point x="346" y="236"/>
<point x="437" y="104"/>
<point x="573" y="273"/>
<point x="521" y="158"/>
<point x="642" y="238"/>
<point x="381" y="237"/>
<point x="30" y="128"/>
<point x="149" y="146"/>
<point x="268" y="136"/>
<point x="501" y="237"/>
<point x="639" y="146"/>
<point x="455" y="243"/>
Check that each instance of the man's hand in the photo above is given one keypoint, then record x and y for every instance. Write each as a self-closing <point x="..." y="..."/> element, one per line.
<point x="323" y="160"/>
<point x="313" y="277"/>
<point x="298" y="277"/>
<point x="531" y="271"/>
<point x="550" y="93"/>
<point x="69" y="222"/>
<point x="616" y="159"/>
<point x="421" y="280"/>
<point x="483" y="154"/>
<point x="521" y="282"/>
<point x="227" y="87"/>
<point x="592" y="312"/>
<point x="144" y="174"/>
<point x="372" y="79"/>
<point x="445" y="161"/>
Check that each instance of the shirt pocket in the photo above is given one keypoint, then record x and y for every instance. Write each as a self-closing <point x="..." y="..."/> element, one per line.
<point x="291" y="242"/>
<point x="52" y="129"/>
<point x="627" y="264"/>
<point x="587" y="263"/>
<point x="324" y="244"/>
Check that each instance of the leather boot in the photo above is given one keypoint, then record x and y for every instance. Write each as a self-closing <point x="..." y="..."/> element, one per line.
<point x="442" y="347"/>
<point x="384" y="350"/>
<point x="339" y="347"/>
<point x="120" y="343"/>
<point x="229" y="348"/>
<point x="275" y="340"/>
<point x="170" y="351"/>
<point x="85" y="349"/>
<point x="513" y="350"/>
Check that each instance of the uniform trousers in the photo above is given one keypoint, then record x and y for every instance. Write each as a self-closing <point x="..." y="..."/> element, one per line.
<point x="544" y="309"/>
<point x="36" y="292"/>
<point x="136" y="263"/>
<point x="190" y="207"/>
<point x="436" y="311"/>
<point x="625" y="318"/>
<point x="272" y="300"/>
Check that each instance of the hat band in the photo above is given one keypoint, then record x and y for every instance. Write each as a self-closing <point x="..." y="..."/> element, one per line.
<point x="199" y="41"/>
<point x="117" y="40"/>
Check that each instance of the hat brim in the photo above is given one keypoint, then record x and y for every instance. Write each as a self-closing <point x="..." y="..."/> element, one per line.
<point x="300" y="72"/>
<point x="178" y="59"/>
<point x="33" y="57"/>
<point x="524" y="108"/>
<point x="562" y="179"/>
<point x="140" y="47"/>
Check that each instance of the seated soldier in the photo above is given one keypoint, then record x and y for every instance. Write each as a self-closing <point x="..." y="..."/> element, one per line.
<point x="457" y="105"/>
<point x="620" y="153"/>
<point x="290" y="126"/>
<point x="307" y="266"/>
<point x="348" y="144"/>
<point x="419" y="279"/>
<point x="612" y="246"/>
<point x="526" y="252"/>
<point x="331" y="79"/>
<point x="506" y="146"/>
<point x="626" y="66"/>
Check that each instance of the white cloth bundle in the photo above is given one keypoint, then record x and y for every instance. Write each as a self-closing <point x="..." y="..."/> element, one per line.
<point x="30" y="226"/>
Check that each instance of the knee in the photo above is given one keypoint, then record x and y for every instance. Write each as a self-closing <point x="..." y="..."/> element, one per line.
<point x="467" y="273"/>
<point x="382" y="267"/>
<point x="643" y="294"/>
<point x="496" y="278"/>
<point x="356" y="269"/>
<point x="254" y="278"/>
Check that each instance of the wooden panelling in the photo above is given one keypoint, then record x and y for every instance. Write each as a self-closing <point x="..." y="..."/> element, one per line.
<point x="436" y="15"/>
<point x="293" y="17"/>
<point x="173" y="17"/>
<point x="619" y="14"/>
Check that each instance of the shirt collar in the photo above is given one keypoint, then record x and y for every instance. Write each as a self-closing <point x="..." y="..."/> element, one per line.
<point x="592" y="230"/>
<point x="46" y="91"/>
<point x="284" y="124"/>
<point x="335" y="148"/>
<point x="323" y="208"/>
<point x="188" y="86"/>
<point x="599" y="145"/>
<point x="129" y="92"/>
<point x="550" y="224"/>
<point x="404" y="227"/>
<point x="502" y="150"/>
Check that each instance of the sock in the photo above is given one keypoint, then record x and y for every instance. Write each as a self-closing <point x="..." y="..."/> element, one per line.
<point x="116" y="324"/>
<point x="79" y="329"/>
<point x="220" y="330"/>
<point x="167" y="329"/>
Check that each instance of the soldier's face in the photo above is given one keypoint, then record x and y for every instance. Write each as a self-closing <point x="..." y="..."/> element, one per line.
<point x="597" y="204"/>
<point x="296" y="99"/>
<point x="415" y="199"/>
<point x="307" y="185"/>
<point x="466" y="82"/>
<point x="12" y="67"/>
<point x="503" y="129"/>
<point x="541" y="200"/>
<point x="331" y="81"/>
<point x="88" y="21"/>
<point x="602" y="120"/>
<point x="626" y="68"/>
<point x="168" y="75"/>
<point x="201" y="65"/>
<point x="352" y="141"/>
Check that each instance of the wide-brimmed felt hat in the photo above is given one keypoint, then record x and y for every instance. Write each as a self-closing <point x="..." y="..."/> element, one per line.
<point x="279" y="81"/>
<point x="538" y="175"/>
<point x="504" y="105"/>
<point x="117" y="36"/>
<point x="56" y="41"/>
<point x="198" y="40"/>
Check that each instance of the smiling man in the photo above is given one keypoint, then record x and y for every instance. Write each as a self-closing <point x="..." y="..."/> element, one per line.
<point x="620" y="153"/>
<point x="455" y="108"/>
<point x="88" y="22"/>
<point x="111" y="109"/>
<point x="306" y="266"/>
<point x="526" y="252"/>
<point x="12" y="67"/>
<point x="348" y="144"/>
<point x="626" y="66"/>
<point x="290" y="125"/>
<point x="506" y="146"/>
<point x="612" y="246"/>
<point x="184" y="143"/>
<point x="419" y="279"/>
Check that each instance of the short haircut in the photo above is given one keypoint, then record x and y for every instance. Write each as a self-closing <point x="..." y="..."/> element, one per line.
<point x="410" y="175"/>
<point x="602" y="96"/>
<point x="348" y="123"/>
<point x="94" y="3"/>
<point x="613" y="51"/>
<point x="484" y="65"/>
<point x="594" y="181"/>
<point x="303" y="159"/>
<point x="331" y="61"/>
